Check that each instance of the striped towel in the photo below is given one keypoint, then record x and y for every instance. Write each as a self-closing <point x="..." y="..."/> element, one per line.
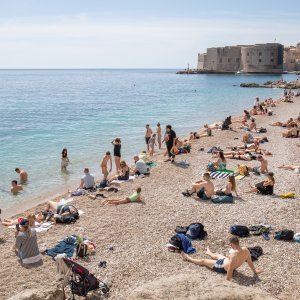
<point x="219" y="174"/>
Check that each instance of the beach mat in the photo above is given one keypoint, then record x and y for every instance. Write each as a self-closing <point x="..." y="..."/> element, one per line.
<point x="219" y="174"/>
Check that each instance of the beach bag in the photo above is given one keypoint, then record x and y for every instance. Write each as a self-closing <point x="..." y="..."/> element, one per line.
<point x="285" y="235"/>
<point x="81" y="250"/>
<point x="239" y="230"/>
<point x="223" y="199"/>
<point x="211" y="167"/>
<point x="196" y="231"/>
<point x="255" y="252"/>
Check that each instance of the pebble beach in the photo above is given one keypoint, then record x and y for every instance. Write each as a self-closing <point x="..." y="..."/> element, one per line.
<point x="139" y="233"/>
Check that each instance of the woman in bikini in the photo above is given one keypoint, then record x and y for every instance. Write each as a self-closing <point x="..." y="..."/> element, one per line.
<point x="230" y="187"/>
<point x="64" y="160"/>
<point x="220" y="164"/>
<point x="123" y="173"/>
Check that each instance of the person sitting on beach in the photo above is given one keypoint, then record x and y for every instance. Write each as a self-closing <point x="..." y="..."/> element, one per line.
<point x="292" y="133"/>
<point x="135" y="197"/>
<point x="140" y="166"/>
<point x="64" y="159"/>
<point x="220" y="164"/>
<point x="26" y="244"/>
<point x="30" y="217"/>
<point x="203" y="188"/>
<point x="15" y="187"/>
<point x="152" y="144"/>
<point x="225" y="265"/>
<point x="23" y="175"/>
<point x="252" y="126"/>
<point x="230" y="187"/>
<point x="263" y="168"/>
<point x="226" y="123"/>
<point x="254" y="111"/>
<point x="265" y="187"/>
<point x="107" y="158"/>
<point x="87" y="182"/>
<point x="207" y="131"/>
<point x="123" y="174"/>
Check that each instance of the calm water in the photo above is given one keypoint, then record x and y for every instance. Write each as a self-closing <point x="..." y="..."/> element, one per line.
<point x="43" y="111"/>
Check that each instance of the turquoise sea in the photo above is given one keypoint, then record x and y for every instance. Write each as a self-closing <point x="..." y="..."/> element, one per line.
<point x="43" y="111"/>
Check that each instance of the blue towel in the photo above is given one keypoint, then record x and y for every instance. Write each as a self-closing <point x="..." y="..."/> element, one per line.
<point x="62" y="247"/>
<point x="186" y="244"/>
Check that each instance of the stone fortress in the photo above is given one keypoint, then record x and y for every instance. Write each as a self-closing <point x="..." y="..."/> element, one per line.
<point x="259" y="58"/>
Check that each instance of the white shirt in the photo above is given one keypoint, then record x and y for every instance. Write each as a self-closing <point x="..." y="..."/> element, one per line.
<point x="88" y="180"/>
<point x="141" y="166"/>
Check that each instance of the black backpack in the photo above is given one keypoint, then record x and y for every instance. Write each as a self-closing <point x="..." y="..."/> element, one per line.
<point x="255" y="252"/>
<point x="239" y="230"/>
<point x="286" y="235"/>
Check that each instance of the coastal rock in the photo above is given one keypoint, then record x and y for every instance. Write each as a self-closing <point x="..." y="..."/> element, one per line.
<point x="191" y="286"/>
<point x="251" y="84"/>
<point x="53" y="293"/>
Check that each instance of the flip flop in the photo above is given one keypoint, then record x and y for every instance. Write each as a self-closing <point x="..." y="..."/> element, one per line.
<point x="266" y="236"/>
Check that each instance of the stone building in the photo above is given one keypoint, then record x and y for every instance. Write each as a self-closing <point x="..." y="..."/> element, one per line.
<point x="291" y="58"/>
<point x="259" y="58"/>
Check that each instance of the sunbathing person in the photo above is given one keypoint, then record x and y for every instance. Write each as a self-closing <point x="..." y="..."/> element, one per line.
<point x="203" y="188"/>
<point x="220" y="164"/>
<point x="123" y="174"/>
<point x="287" y="124"/>
<point x="207" y="131"/>
<point x="225" y="265"/>
<point x="289" y="167"/>
<point x="292" y="133"/>
<point x="59" y="209"/>
<point x="31" y="218"/>
<point x="265" y="187"/>
<point x="135" y="197"/>
<point x="230" y="187"/>
<point x="246" y="156"/>
<point x="194" y="136"/>
<point x="241" y="151"/>
<point x="248" y="138"/>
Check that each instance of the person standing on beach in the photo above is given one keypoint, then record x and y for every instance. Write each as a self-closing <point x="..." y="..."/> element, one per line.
<point x="148" y="135"/>
<point x="170" y="138"/>
<point x="158" y="134"/>
<point x="23" y="175"/>
<point x="107" y="158"/>
<point x="15" y="187"/>
<point x="152" y="144"/>
<point x="64" y="160"/>
<point x="117" y="152"/>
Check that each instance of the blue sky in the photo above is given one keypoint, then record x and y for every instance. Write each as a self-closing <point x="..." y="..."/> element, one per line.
<point x="136" y="33"/>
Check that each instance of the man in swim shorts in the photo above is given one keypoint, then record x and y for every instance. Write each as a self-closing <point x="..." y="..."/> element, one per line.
<point x="15" y="187"/>
<point x="226" y="265"/>
<point x="107" y="158"/>
<point x="148" y="135"/>
<point x="23" y="175"/>
<point x="204" y="188"/>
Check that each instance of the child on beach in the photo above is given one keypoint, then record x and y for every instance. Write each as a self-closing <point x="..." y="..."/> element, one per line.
<point x="135" y="197"/>
<point x="107" y="158"/>
<point x="64" y="160"/>
<point x="152" y="143"/>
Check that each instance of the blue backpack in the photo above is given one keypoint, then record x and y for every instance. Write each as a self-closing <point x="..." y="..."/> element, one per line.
<point x="223" y="199"/>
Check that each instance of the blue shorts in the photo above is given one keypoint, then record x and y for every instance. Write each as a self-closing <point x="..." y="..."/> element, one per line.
<point x="219" y="266"/>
